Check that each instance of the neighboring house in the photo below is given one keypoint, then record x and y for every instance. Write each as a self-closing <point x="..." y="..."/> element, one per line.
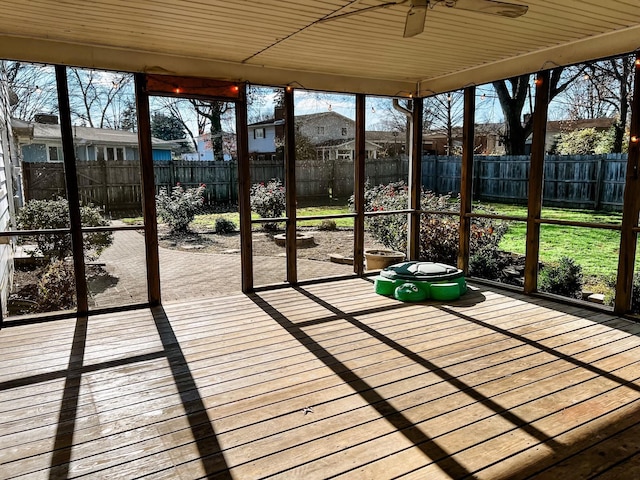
<point x="326" y="126"/>
<point x="487" y="140"/>
<point x="8" y="162"/>
<point x="344" y="150"/>
<point x="331" y="134"/>
<point x="41" y="141"/>
<point x="265" y="137"/>
<point x="557" y="127"/>
<point x="390" y="143"/>
<point x="489" y="136"/>
<point x="205" y="148"/>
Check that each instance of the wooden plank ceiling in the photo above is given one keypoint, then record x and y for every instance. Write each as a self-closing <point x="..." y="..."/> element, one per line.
<point x="280" y="42"/>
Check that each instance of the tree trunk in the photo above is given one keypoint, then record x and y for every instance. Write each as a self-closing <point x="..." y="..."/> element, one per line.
<point x="512" y="105"/>
<point x="517" y="139"/>
<point x="623" y="93"/>
<point x="216" y="136"/>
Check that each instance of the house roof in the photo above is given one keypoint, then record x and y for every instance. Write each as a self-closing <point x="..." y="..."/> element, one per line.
<point x="342" y="142"/>
<point x="323" y="116"/>
<point x="304" y="118"/>
<point x="382" y="136"/>
<point x="84" y="135"/>
<point x="285" y="42"/>
<point x="558" y="126"/>
<point x="264" y="123"/>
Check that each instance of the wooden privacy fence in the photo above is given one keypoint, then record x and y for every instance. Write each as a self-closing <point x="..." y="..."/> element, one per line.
<point x="115" y="186"/>
<point x="572" y="181"/>
<point x="595" y="182"/>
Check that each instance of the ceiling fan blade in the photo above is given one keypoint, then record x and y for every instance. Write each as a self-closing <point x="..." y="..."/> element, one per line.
<point x="414" y="24"/>
<point x="361" y="10"/>
<point x="493" y="7"/>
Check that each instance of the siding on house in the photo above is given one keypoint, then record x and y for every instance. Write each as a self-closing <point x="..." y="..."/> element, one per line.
<point x="37" y="153"/>
<point x="262" y="136"/>
<point x="6" y="194"/>
<point x="161" y="155"/>
<point x="264" y="144"/>
<point x="320" y="127"/>
<point x="39" y="141"/>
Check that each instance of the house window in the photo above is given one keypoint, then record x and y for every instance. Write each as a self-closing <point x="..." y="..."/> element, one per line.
<point x="259" y="133"/>
<point x="320" y="130"/>
<point x="344" y="155"/>
<point x="55" y="154"/>
<point x="344" y="131"/>
<point x="114" y="153"/>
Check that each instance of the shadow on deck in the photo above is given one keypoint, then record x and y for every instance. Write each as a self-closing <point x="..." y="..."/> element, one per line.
<point x="322" y="381"/>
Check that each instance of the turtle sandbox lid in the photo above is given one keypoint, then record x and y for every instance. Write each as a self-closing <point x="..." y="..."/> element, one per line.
<point x="416" y="281"/>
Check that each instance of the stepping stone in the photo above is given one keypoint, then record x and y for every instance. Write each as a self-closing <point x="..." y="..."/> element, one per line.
<point x="596" y="298"/>
<point x="341" y="259"/>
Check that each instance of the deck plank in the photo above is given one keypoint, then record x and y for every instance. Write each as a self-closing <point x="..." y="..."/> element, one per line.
<point x="496" y="385"/>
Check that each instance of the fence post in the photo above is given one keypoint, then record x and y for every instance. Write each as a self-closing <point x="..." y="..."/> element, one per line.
<point x="172" y="175"/>
<point x="599" y="183"/>
<point x="436" y="177"/>
<point x="105" y="186"/>
<point x="477" y="168"/>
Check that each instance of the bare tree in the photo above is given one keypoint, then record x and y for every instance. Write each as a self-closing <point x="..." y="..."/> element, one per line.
<point x="612" y="79"/>
<point x="512" y="94"/>
<point x="182" y="111"/>
<point x="99" y="98"/>
<point x="214" y="111"/>
<point x="581" y="100"/>
<point x="32" y="89"/>
<point x="442" y="113"/>
<point x="390" y="119"/>
<point x="261" y="102"/>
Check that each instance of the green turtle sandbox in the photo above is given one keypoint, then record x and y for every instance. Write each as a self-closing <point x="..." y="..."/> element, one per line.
<point x="417" y="281"/>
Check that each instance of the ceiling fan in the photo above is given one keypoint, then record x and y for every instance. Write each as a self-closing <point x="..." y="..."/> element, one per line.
<point x="414" y="23"/>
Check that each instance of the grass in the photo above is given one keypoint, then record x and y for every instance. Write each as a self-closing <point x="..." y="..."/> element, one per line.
<point x="594" y="249"/>
<point x="314" y="211"/>
<point x="208" y="220"/>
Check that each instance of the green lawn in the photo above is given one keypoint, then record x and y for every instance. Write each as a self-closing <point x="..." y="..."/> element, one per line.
<point x="595" y="249"/>
<point x="208" y="220"/>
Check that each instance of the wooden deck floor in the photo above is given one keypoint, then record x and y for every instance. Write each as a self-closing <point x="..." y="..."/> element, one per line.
<point x="324" y="381"/>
